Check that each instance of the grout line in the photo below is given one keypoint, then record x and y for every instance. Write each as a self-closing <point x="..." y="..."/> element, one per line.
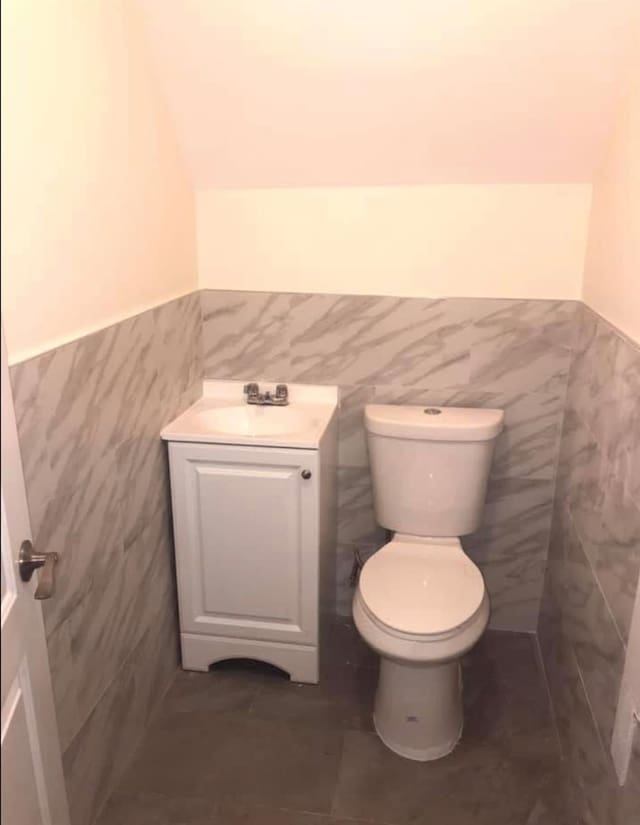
<point x="594" y="721"/>
<point x="554" y="717"/>
<point x="596" y="579"/>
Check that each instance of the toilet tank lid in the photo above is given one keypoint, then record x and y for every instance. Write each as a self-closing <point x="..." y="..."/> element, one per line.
<point x="431" y="423"/>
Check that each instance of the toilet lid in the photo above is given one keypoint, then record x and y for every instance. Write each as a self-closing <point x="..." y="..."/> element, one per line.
<point x="421" y="587"/>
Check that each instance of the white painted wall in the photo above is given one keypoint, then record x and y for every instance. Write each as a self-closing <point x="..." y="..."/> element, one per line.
<point x="97" y="213"/>
<point x="512" y="241"/>
<point x="612" y="272"/>
<point x="379" y="92"/>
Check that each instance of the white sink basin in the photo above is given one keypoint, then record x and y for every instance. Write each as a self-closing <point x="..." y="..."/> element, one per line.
<point x="222" y="416"/>
<point x="251" y="420"/>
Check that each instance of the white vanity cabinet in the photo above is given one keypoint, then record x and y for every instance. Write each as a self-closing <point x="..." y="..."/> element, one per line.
<point x="254" y="542"/>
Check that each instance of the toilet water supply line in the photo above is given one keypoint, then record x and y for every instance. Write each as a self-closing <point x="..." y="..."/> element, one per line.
<point x="358" y="563"/>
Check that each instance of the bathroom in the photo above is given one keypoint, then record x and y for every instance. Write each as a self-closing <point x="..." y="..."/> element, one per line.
<point x="382" y="206"/>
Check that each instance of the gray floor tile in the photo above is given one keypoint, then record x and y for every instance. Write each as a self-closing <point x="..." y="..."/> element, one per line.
<point x="157" y="809"/>
<point x="480" y="785"/>
<point x="232" y="756"/>
<point x="243" y="744"/>
<point x="342" y="700"/>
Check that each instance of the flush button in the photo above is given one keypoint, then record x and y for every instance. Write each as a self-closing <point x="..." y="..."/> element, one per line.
<point x="432" y="411"/>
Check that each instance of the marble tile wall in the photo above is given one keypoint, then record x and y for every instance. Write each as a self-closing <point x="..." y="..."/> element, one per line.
<point x="512" y="354"/>
<point x="593" y="568"/>
<point x="89" y="415"/>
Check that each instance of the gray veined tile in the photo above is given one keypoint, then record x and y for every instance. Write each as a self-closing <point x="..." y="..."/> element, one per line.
<point x="559" y="530"/>
<point x="356" y="518"/>
<point x="101" y="635"/>
<point x="514" y="586"/>
<point x="99" y="752"/>
<point x="177" y="350"/>
<point x="614" y="418"/>
<point x="138" y="594"/>
<point x="127" y="381"/>
<point x="530" y="364"/>
<point x="590" y="627"/>
<point x="511" y="548"/>
<point x="352" y="447"/>
<point x="629" y="803"/>
<point x="54" y="400"/>
<point x="154" y="662"/>
<point x="583" y="363"/>
<point x="522" y="345"/>
<point x="245" y="335"/>
<point x="500" y="319"/>
<point x="579" y="464"/>
<point x="516" y="520"/>
<point x="150" y="586"/>
<point x="378" y="340"/>
<point x="63" y="680"/>
<point x="143" y="472"/>
<point x="611" y="540"/>
<point x="604" y="390"/>
<point x="528" y="446"/>
<point x="84" y="526"/>
<point x="31" y="421"/>
<point x="588" y="761"/>
<point x="79" y="425"/>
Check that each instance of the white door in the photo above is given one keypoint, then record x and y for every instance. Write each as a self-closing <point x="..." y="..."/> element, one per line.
<point x="33" y="791"/>
<point x="246" y="530"/>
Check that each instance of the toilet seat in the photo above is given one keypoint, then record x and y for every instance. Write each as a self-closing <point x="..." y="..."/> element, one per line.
<point x="418" y="588"/>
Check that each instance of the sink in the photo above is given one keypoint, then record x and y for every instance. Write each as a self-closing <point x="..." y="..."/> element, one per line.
<point x="251" y="420"/>
<point x="222" y="416"/>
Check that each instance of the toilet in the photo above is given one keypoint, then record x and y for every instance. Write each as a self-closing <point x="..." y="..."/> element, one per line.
<point x="421" y="602"/>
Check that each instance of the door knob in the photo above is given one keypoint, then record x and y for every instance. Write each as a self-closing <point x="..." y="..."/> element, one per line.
<point x="28" y="561"/>
<point x="306" y="474"/>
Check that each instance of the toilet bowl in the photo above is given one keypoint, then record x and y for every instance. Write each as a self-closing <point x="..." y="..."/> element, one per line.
<point x="421" y="602"/>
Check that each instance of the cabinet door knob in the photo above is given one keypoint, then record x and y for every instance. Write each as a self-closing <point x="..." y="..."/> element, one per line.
<point x="306" y="474"/>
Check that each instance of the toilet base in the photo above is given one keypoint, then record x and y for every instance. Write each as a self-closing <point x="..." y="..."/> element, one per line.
<point x="418" y="708"/>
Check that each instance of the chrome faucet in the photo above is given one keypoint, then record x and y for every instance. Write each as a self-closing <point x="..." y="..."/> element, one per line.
<point x="279" y="399"/>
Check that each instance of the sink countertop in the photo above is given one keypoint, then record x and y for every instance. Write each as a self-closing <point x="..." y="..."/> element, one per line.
<point x="223" y="404"/>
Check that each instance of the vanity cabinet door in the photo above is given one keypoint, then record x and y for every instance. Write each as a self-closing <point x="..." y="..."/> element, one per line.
<point x="246" y="535"/>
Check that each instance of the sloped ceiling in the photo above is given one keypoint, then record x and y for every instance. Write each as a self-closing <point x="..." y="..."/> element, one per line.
<point x="372" y="92"/>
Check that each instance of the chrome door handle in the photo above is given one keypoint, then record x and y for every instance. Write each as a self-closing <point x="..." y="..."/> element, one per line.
<point x="28" y="561"/>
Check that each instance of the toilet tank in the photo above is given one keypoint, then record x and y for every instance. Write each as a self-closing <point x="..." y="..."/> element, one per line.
<point x="430" y="466"/>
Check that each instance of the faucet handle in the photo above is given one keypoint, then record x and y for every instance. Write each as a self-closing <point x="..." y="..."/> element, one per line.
<point x="282" y="391"/>
<point x="251" y="389"/>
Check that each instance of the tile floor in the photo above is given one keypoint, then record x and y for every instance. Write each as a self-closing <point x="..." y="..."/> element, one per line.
<point x="242" y="744"/>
